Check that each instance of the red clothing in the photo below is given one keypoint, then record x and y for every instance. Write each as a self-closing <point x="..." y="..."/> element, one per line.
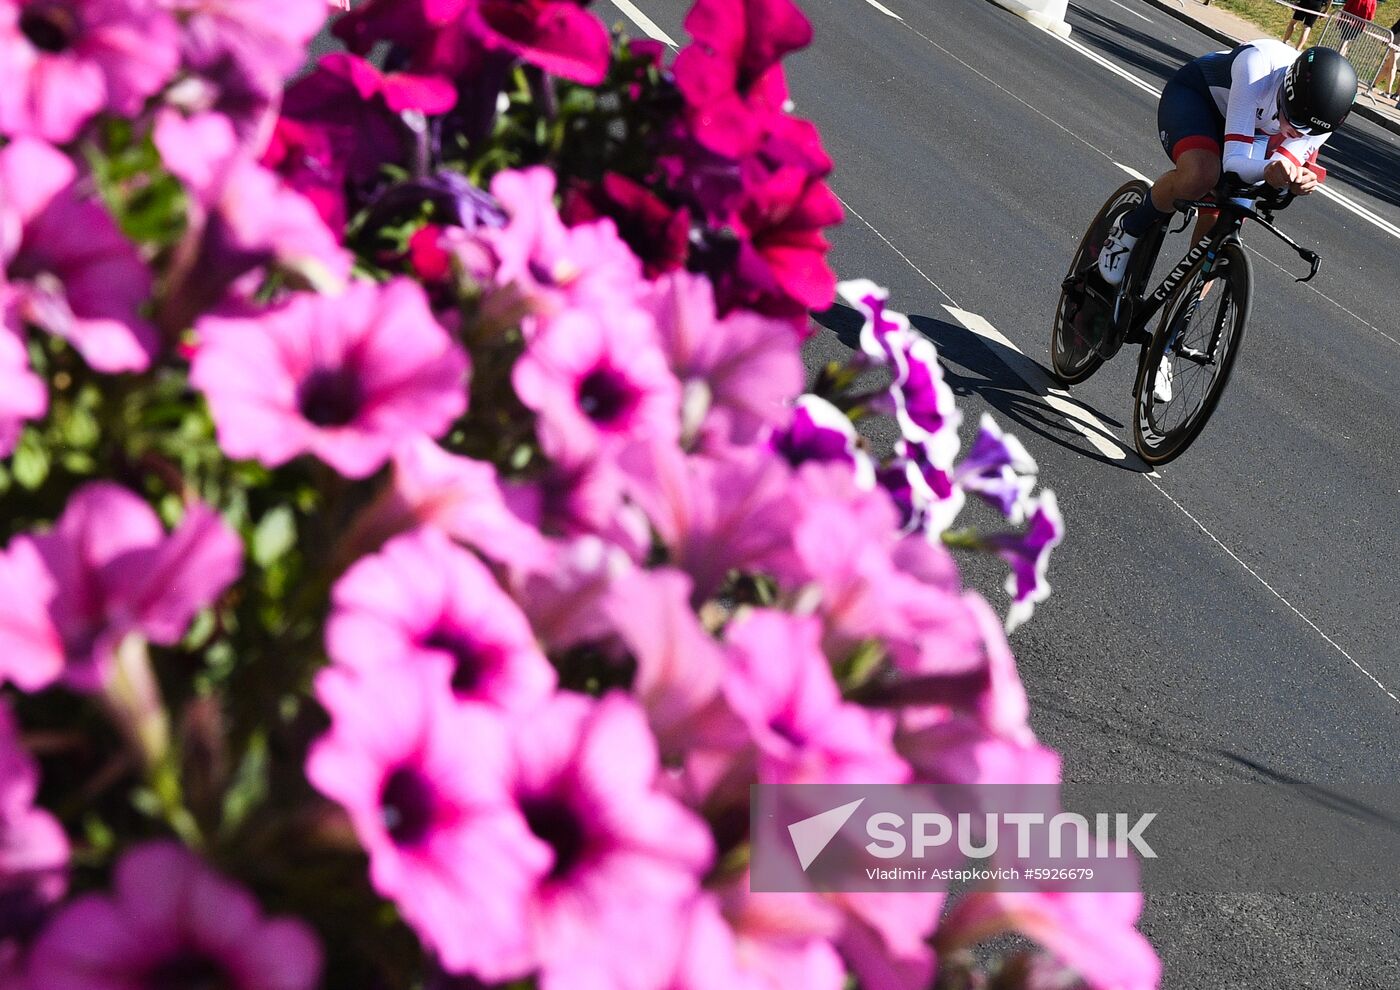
<point x="1361" y="8"/>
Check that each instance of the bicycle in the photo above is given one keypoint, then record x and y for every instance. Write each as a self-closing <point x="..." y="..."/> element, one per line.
<point x="1093" y="321"/>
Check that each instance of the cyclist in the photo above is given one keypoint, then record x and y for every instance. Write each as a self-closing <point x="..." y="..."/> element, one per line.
<point x="1210" y="115"/>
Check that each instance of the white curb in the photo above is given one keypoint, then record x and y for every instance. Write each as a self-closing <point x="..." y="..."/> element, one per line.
<point x="1048" y="15"/>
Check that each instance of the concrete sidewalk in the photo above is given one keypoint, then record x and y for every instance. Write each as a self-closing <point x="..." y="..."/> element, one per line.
<point x="1230" y="29"/>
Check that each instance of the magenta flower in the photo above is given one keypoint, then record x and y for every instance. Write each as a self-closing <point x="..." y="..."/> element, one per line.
<point x="424" y="600"/>
<point x="780" y="685"/>
<point x="922" y="402"/>
<point x="263" y="40"/>
<point x="679" y="664"/>
<point x="559" y="36"/>
<point x="243" y="217"/>
<point x="715" y="514"/>
<point x="33" y="846"/>
<point x="345" y="378"/>
<point x="566" y="603"/>
<point x="820" y="433"/>
<point x="555" y="266"/>
<point x="432" y="34"/>
<point x="623" y="858"/>
<point x="22" y="393"/>
<point x="424" y="782"/>
<point x="463" y="498"/>
<point x="567" y="501"/>
<point x="598" y="382"/>
<point x="730" y="76"/>
<point x="360" y="106"/>
<point x="998" y="468"/>
<point x="883" y="329"/>
<point x="781" y="268"/>
<point x="756" y="941"/>
<point x="106" y="569"/>
<point x="657" y="233"/>
<point x="1090" y="932"/>
<point x="72" y="272"/>
<point x="62" y="61"/>
<point x="1028" y="553"/>
<point x="171" y="921"/>
<point x="746" y="368"/>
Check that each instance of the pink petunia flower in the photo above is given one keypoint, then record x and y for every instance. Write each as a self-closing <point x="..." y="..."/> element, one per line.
<point x="623" y="859"/>
<point x="22" y="393"/>
<point x="679" y="664"/>
<point x="71" y="271"/>
<point x="746" y="367"/>
<point x="424" y="781"/>
<point x="106" y="569"/>
<point x="33" y="846"/>
<point x="63" y="61"/>
<point x="739" y="940"/>
<point x="780" y="685"/>
<point x="424" y="600"/>
<point x="1091" y="932"/>
<point x="264" y="40"/>
<point x="172" y="921"/>
<point x="715" y="514"/>
<point x="243" y="217"/>
<point x="346" y="379"/>
<point x="463" y="498"/>
<point x="598" y="382"/>
<point x="552" y="265"/>
<point x="730" y="76"/>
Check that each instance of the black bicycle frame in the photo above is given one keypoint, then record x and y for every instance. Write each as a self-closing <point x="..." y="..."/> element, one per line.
<point x="1204" y="251"/>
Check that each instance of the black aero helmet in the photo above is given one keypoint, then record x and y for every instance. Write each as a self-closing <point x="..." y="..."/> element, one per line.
<point x="1318" y="90"/>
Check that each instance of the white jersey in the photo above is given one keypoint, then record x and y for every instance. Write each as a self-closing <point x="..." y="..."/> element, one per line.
<point x="1244" y="84"/>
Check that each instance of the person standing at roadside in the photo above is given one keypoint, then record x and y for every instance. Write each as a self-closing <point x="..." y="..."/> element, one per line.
<point x="1307" y="20"/>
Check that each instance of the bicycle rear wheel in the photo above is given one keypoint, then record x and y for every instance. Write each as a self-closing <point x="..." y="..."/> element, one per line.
<point x="1183" y="373"/>
<point x="1080" y="323"/>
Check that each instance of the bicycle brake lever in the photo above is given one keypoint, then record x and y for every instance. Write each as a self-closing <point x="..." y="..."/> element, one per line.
<point x="1314" y="263"/>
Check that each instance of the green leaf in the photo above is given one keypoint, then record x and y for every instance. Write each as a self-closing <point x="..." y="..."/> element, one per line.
<point x="275" y="534"/>
<point x="31" y="460"/>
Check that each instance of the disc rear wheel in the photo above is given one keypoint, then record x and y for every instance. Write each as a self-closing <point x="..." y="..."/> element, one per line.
<point x="1081" y="321"/>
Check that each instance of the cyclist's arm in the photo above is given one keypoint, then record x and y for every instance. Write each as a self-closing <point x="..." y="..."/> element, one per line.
<point x="1250" y="84"/>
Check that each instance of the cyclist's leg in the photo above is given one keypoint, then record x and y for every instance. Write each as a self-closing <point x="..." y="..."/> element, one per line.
<point x="1192" y="132"/>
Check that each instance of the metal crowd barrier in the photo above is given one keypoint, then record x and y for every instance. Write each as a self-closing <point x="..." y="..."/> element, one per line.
<point x="1365" y="44"/>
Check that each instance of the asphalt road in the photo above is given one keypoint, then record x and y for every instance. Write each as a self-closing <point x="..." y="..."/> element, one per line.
<point x="1238" y="610"/>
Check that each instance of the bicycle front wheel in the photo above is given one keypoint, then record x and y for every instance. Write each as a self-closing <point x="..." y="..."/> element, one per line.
<point x="1185" y="369"/>
<point x="1079" y="324"/>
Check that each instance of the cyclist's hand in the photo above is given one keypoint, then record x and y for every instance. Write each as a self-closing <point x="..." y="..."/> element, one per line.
<point x="1280" y="173"/>
<point x="1305" y="183"/>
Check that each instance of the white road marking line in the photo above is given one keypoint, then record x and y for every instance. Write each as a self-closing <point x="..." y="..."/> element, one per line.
<point x="883" y="9"/>
<point x="1359" y="210"/>
<point x="648" y="26"/>
<point x="1291" y="607"/>
<point x="1084" y="422"/>
<point x="1131" y="11"/>
<point x="1092" y="56"/>
<point x="896" y="250"/>
<point x="1081" y="420"/>
<point x="1133" y="172"/>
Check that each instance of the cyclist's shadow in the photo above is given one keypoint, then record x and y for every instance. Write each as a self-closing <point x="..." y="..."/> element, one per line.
<point x="976" y="365"/>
